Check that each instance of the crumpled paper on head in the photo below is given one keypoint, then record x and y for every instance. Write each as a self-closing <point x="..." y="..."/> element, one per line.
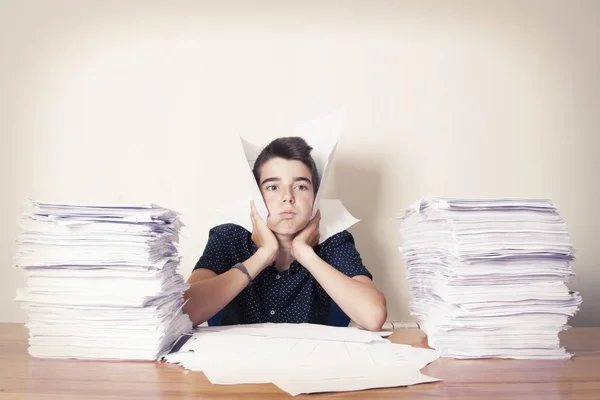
<point x="322" y="135"/>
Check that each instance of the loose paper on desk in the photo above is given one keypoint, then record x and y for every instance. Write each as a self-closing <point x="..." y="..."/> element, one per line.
<point x="322" y="135"/>
<point x="302" y="358"/>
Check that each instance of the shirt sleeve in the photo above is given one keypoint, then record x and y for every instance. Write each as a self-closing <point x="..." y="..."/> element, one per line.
<point x="217" y="253"/>
<point x="340" y="252"/>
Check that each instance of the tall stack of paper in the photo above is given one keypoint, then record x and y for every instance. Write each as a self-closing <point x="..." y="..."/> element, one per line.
<point x="102" y="281"/>
<point x="487" y="277"/>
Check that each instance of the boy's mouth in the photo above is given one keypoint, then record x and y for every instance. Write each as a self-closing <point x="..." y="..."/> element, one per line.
<point x="287" y="214"/>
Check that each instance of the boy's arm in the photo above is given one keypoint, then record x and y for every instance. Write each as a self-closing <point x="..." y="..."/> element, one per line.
<point x="357" y="296"/>
<point x="209" y="292"/>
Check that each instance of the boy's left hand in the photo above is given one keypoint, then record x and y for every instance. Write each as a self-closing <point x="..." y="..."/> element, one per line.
<point x="308" y="237"/>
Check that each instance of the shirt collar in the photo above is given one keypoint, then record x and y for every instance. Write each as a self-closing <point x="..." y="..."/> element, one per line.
<point x="295" y="267"/>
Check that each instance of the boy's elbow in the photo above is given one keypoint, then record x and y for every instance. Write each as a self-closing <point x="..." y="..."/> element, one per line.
<point x="375" y="322"/>
<point x="376" y="317"/>
<point x="193" y="312"/>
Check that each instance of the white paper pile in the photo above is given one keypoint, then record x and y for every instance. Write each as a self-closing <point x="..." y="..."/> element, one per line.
<point x="102" y="282"/>
<point x="487" y="277"/>
<point x="302" y="358"/>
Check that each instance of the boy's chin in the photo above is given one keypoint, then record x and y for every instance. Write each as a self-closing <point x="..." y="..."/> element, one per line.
<point x="287" y="228"/>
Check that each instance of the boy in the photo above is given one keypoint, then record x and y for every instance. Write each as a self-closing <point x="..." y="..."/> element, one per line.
<point x="279" y="273"/>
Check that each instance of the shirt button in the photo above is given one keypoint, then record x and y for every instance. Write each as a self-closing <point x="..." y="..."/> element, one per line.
<point x="272" y="312"/>
<point x="277" y="276"/>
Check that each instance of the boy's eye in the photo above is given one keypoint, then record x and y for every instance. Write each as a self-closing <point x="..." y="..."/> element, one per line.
<point x="271" y="187"/>
<point x="302" y="187"/>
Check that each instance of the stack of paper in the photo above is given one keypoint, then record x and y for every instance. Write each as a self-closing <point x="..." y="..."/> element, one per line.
<point x="102" y="281"/>
<point x="302" y="358"/>
<point x="487" y="277"/>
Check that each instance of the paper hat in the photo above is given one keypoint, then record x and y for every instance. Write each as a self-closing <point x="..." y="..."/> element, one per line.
<point x="322" y="135"/>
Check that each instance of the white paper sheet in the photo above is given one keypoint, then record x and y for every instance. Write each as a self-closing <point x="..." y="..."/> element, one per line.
<point x="294" y="331"/>
<point x="297" y="362"/>
<point x="381" y="378"/>
<point x="322" y="134"/>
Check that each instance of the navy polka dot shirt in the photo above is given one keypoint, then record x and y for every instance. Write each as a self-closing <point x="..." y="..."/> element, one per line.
<point x="292" y="296"/>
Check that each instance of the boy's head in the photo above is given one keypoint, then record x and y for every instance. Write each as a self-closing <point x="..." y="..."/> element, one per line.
<point x="288" y="180"/>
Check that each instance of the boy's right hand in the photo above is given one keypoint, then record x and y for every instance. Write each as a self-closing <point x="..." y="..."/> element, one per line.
<point x="263" y="237"/>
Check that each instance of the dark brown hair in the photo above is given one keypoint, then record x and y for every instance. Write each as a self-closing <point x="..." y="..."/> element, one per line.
<point x="288" y="148"/>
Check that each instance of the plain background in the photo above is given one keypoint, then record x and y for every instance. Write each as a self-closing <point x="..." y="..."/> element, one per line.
<point x="131" y="101"/>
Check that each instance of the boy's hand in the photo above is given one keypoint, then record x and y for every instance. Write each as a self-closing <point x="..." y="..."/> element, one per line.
<point x="308" y="237"/>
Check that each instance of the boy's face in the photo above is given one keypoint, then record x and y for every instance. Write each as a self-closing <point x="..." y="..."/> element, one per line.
<point x="287" y="188"/>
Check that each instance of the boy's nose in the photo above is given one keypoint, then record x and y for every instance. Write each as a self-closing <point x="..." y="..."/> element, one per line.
<point x="288" y="197"/>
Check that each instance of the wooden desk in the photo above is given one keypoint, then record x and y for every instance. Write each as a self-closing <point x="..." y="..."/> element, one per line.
<point x="24" y="377"/>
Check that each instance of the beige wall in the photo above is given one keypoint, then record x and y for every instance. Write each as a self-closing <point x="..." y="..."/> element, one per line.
<point x="141" y="101"/>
